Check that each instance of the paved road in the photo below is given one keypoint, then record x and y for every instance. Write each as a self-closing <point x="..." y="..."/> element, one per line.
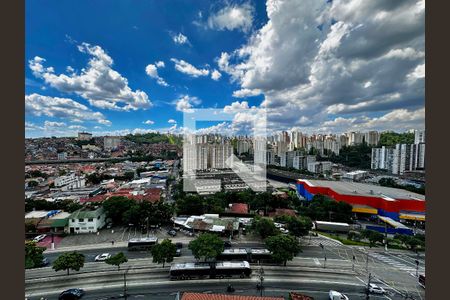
<point x="393" y="268"/>
<point x="278" y="281"/>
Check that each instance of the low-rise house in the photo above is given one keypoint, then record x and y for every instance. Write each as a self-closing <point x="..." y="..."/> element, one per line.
<point x="85" y="220"/>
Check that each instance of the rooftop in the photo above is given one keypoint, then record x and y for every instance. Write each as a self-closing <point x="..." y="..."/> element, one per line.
<point x="364" y="189"/>
<point x="201" y="296"/>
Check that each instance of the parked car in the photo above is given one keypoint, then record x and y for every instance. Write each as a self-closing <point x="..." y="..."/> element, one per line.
<point x="227" y="244"/>
<point x="109" y="226"/>
<point x="71" y="294"/>
<point x="179" y="245"/>
<point x="375" y="289"/>
<point x="178" y="252"/>
<point x="45" y="262"/>
<point x="39" y="238"/>
<point x="102" y="257"/>
<point x="172" y="232"/>
<point x="335" y="295"/>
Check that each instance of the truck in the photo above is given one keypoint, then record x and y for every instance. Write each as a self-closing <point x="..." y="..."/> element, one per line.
<point x="331" y="226"/>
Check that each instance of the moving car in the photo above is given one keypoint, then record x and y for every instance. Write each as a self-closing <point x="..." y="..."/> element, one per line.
<point x="227" y="244"/>
<point x="375" y="289"/>
<point x="179" y="245"/>
<point x="39" y="238"/>
<point x="178" y="252"/>
<point x="71" y="294"/>
<point x="335" y="295"/>
<point x="172" y="232"/>
<point x="102" y="257"/>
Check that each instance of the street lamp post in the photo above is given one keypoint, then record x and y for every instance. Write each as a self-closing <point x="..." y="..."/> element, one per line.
<point x="125" y="296"/>
<point x="368" y="286"/>
<point x="367" y="261"/>
<point x="353" y="263"/>
<point x="417" y="268"/>
<point x="324" y="254"/>
<point x="261" y="280"/>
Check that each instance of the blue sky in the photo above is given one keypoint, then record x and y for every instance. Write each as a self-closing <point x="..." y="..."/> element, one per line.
<point x="114" y="67"/>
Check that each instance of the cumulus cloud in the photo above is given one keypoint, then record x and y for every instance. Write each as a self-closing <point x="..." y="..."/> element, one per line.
<point x="232" y="17"/>
<point x="186" y="68"/>
<point x="180" y="39"/>
<point x="171" y="121"/>
<point x="242" y="93"/>
<point x="186" y="103"/>
<point x="215" y="75"/>
<point x="64" y="108"/>
<point x="98" y="83"/>
<point x="152" y="71"/>
<point x="339" y="57"/>
<point x="149" y="122"/>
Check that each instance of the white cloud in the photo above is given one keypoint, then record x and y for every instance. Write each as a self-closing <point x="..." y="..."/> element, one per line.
<point x="77" y="127"/>
<point x="232" y="17"/>
<point x="64" y="108"/>
<point x="160" y="64"/>
<point x="317" y="59"/>
<point x="236" y="106"/>
<point x="180" y="39"/>
<point x="186" y="103"/>
<point x="171" y="121"/>
<point x="149" y="122"/>
<point x="152" y="71"/>
<point x="101" y="85"/>
<point x="242" y="93"/>
<point x="215" y="75"/>
<point x="186" y="68"/>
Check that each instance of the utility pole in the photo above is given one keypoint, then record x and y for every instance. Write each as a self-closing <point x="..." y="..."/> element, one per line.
<point x="417" y="268"/>
<point x="353" y="265"/>
<point x="367" y="261"/>
<point x="385" y="237"/>
<point x="125" y="296"/>
<point x="261" y="280"/>
<point x="368" y="286"/>
<point x="324" y="254"/>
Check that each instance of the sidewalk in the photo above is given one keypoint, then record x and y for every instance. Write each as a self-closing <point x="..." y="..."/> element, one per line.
<point x="182" y="239"/>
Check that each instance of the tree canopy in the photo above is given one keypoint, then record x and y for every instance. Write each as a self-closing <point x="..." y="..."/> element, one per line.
<point x="117" y="260"/>
<point x="264" y="227"/>
<point x="206" y="246"/>
<point x="323" y="208"/>
<point x="69" y="261"/>
<point x="283" y="247"/>
<point x="33" y="255"/>
<point x="163" y="252"/>
<point x="297" y="226"/>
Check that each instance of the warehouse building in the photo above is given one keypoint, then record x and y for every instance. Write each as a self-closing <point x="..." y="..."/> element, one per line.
<point x="393" y="203"/>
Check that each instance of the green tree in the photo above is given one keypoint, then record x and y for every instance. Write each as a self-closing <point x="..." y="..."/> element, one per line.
<point x="163" y="252"/>
<point x="116" y="206"/>
<point x="33" y="255"/>
<point x="33" y="183"/>
<point x="71" y="260"/>
<point x="117" y="260"/>
<point x="372" y="236"/>
<point x="283" y="247"/>
<point x="264" y="227"/>
<point x="299" y="226"/>
<point x="206" y="246"/>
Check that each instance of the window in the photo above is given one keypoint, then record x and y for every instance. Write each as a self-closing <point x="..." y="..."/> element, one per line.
<point x="73" y="220"/>
<point x="98" y="218"/>
<point x="80" y="220"/>
<point x="91" y="227"/>
<point x="77" y="228"/>
<point x="90" y="220"/>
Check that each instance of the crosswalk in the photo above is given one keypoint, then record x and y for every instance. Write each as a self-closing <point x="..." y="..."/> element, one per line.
<point x="315" y="241"/>
<point x="393" y="262"/>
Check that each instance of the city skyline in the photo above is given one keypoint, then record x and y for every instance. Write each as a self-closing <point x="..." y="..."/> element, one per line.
<point x="332" y="71"/>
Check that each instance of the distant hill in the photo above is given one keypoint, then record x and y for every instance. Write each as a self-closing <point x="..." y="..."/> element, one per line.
<point x="389" y="139"/>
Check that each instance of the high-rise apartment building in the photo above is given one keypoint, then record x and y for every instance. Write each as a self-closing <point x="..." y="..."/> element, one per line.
<point x="419" y="136"/>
